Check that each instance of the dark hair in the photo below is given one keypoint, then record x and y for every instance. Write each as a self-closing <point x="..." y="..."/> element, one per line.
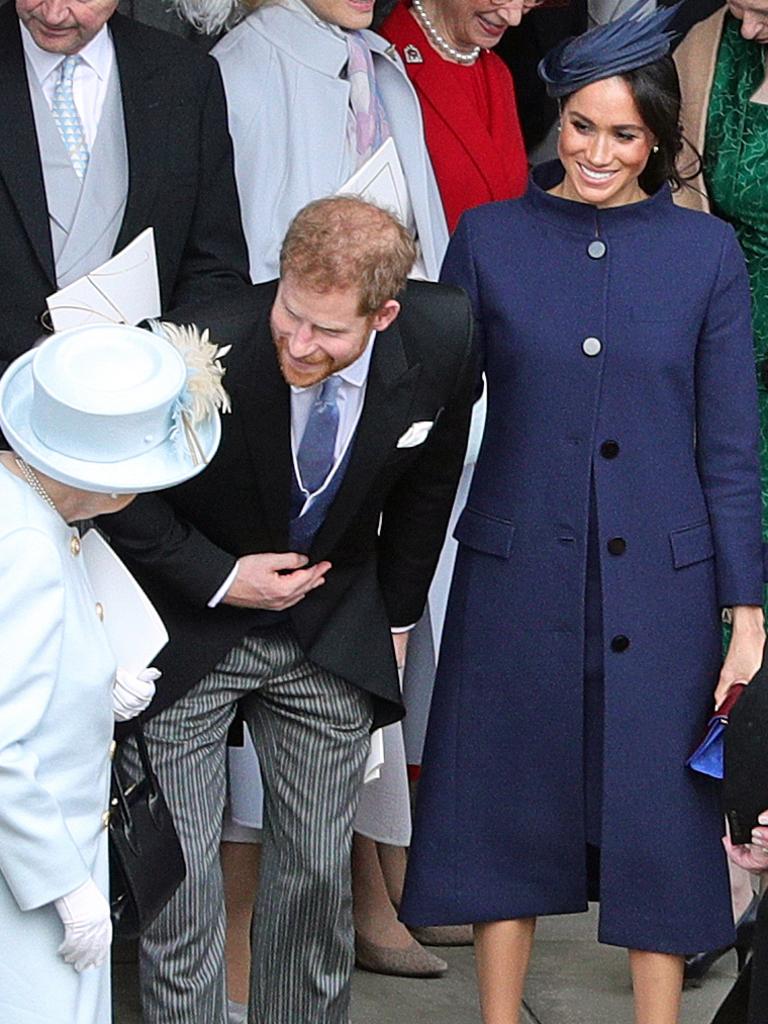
<point x="655" y="89"/>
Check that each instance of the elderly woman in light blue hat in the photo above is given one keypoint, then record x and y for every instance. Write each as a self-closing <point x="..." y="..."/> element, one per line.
<point x="92" y="416"/>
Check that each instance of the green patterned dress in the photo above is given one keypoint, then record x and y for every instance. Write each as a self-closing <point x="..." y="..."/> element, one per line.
<point x="736" y="173"/>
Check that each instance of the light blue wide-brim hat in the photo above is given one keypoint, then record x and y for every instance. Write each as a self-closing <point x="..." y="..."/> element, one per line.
<point x="115" y="409"/>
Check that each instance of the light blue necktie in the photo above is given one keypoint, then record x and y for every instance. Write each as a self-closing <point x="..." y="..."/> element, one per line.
<point x="315" y="456"/>
<point x="67" y="118"/>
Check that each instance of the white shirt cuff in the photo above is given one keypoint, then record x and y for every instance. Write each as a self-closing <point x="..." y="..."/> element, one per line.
<point x="401" y="629"/>
<point x="221" y="592"/>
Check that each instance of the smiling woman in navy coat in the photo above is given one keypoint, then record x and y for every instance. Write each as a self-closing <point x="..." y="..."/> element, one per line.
<point x="615" y="510"/>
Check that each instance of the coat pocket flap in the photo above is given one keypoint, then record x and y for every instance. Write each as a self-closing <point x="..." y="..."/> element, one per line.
<point x="483" y="532"/>
<point x="691" y="544"/>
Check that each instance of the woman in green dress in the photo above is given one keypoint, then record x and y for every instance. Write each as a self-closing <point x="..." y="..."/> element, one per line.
<point x="724" y="83"/>
<point x="722" y="67"/>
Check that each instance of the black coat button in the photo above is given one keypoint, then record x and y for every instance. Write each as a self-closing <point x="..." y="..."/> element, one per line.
<point x="619" y="643"/>
<point x="609" y="449"/>
<point x="596" y="249"/>
<point x="617" y="546"/>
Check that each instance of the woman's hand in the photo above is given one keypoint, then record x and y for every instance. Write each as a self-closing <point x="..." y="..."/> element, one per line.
<point x="132" y="694"/>
<point x="87" y="926"/>
<point x="745" y="651"/>
<point x="752" y="856"/>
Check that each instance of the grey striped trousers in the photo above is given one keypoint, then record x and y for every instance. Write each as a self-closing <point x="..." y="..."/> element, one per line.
<point x="311" y="729"/>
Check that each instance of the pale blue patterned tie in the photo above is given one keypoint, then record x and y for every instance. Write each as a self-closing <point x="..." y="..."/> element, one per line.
<point x="67" y="118"/>
<point x="315" y="456"/>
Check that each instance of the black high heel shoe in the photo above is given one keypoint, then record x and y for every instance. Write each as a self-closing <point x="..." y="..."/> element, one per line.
<point x="697" y="965"/>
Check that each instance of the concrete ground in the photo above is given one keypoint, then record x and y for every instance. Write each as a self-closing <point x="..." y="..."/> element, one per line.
<point x="573" y="980"/>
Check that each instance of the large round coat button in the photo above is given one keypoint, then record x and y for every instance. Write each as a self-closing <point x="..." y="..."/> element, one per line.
<point x="596" y="249"/>
<point x="609" y="449"/>
<point x="591" y="346"/>
<point x="617" y="546"/>
<point x="620" y="643"/>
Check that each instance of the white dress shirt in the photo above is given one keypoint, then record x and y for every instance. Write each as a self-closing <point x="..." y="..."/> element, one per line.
<point x="89" y="83"/>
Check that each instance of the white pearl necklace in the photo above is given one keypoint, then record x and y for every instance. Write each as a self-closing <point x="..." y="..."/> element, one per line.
<point x="32" y="479"/>
<point x="462" y="56"/>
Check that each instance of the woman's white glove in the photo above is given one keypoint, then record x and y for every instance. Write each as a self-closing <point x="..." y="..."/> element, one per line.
<point x="87" y="926"/>
<point x="132" y="694"/>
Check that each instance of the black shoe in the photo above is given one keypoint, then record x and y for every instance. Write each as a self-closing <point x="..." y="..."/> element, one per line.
<point x="697" y="965"/>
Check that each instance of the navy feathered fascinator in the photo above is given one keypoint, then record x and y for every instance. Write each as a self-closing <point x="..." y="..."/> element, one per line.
<point x="637" y="38"/>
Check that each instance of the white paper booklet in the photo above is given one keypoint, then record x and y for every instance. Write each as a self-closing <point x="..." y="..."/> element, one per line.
<point x="133" y="627"/>
<point x="124" y="290"/>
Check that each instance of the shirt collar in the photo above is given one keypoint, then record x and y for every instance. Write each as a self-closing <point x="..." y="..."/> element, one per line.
<point x="356" y="374"/>
<point x="97" y="54"/>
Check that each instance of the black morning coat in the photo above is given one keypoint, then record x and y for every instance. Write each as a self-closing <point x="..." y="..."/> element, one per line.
<point x="383" y="532"/>
<point x="181" y="180"/>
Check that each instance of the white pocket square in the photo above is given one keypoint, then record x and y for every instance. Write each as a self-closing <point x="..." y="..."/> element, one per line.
<point x="416" y="434"/>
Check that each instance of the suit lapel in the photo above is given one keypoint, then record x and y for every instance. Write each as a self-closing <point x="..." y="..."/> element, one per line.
<point x="262" y="401"/>
<point x="146" y="108"/>
<point x="20" y="157"/>
<point x="460" y="118"/>
<point x="388" y="397"/>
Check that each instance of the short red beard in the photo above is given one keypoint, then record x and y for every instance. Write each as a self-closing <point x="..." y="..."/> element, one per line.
<point x="315" y="372"/>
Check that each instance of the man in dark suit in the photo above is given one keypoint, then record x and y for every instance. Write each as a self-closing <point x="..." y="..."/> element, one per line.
<point x="280" y="574"/>
<point x="111" y="127"/>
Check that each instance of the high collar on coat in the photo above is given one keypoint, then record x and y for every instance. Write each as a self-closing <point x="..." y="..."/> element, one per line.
<point x="298" y="36"/>
<point x="584" y="217"/>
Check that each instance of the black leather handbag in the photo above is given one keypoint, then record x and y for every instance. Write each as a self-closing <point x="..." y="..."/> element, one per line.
<point x="146" y="861"/>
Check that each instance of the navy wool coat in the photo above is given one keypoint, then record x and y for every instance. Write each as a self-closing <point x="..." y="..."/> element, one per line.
<point x="617" y="346"/>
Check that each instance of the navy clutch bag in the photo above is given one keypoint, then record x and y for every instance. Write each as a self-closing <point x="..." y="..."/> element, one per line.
<point x="709" y="756"/>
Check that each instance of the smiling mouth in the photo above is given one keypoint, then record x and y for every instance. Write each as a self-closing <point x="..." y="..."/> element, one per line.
<point x="490" y="26"/>
<point x="596" y="177"/>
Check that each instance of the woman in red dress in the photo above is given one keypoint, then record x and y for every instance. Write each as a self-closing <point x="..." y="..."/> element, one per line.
<point x="466" y="94"/>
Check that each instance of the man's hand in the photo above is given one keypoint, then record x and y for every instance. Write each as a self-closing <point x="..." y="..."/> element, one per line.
<point x="274" y="582"/>
<point x="751" y="856"/>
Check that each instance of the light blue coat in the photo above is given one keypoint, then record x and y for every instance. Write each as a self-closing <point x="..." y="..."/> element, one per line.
<point x="288" y="122"/>
<point x="56" y="726"/>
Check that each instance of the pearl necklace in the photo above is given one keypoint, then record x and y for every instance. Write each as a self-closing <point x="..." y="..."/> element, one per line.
<point x="462" y="56"/>
<point x="32" y="479"/>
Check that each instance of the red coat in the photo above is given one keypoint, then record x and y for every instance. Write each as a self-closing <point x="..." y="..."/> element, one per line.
<point x="470" y="120"/>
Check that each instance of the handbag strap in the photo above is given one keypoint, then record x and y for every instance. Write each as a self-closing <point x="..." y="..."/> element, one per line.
<point x="137" y="733"/>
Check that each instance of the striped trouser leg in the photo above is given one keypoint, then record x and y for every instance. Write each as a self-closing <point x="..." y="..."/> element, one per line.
<point x="182" y="952"/>
<point x="311" y="729"/>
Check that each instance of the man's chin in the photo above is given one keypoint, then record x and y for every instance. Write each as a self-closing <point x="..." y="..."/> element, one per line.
<point x="303" y="379"/>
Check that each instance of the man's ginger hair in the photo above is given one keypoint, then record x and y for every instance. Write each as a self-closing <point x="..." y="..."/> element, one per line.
<point x="342" y="242"/>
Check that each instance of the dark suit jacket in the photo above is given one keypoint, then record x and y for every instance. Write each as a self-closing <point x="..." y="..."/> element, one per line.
<point x="181" y="179"/>
<point x="383" y="532"/>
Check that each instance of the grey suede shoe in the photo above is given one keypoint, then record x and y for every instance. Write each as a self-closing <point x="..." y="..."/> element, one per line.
<point x="412" y="962"/>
